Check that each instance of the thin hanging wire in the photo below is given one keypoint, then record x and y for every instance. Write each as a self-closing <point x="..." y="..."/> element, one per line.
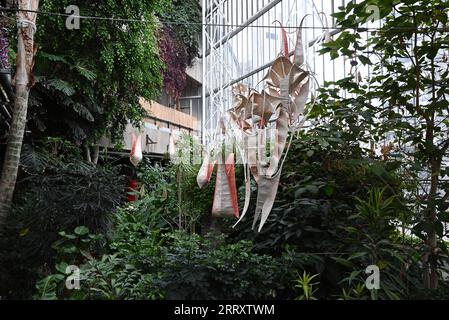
<point x="113" y="19"/>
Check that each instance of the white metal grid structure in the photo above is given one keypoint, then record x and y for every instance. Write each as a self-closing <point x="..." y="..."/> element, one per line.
<point x="240" y="40"/>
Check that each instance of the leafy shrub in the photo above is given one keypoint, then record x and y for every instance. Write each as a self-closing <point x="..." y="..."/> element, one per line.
<point x="337" y="201"/>
<point x="197" y="268"/>
<point x="187" y="14"/>
<point x="144" y="263"/>
<point x="59" y="194"/>
<point x="173" y="191"/>
<point x="70" y="249"/>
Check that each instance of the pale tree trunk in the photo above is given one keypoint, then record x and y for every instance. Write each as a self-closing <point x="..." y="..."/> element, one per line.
<point x="431" y="279"/>
<point x="178" y="182"/>
<point x="87" y="155"/>
<point x="96" y="155"/>
<point x="91" y="156"/>
<point x="23" y="81"/>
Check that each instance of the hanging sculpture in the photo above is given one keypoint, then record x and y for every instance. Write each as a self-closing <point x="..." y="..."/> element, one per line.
<point x="252" y="118"/>
<point x="136" y="149"/>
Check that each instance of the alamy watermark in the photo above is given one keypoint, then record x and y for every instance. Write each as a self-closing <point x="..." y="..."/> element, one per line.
<point x="372" y="282"/>
<point x="73" y="20"/>
<point x="72" y="281"/>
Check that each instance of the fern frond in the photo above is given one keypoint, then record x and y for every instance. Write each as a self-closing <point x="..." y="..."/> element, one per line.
<point x="86" y="73"/>
<point x="83" y="111"/>
<point x="61" y="86"/>
<point x="52" y="57"/>
<point x="33" y="160"/>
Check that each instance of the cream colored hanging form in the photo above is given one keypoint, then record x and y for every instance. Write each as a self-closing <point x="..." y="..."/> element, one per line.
<point x="253" y="115"/>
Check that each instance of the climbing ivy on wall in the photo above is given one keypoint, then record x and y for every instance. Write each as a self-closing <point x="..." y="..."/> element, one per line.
<point x="178" y="43"/>
<point x="185" y="21"/>
<point x="89" y="80"/>
<point x="4" y="45"/>
<point x="174" y="55"/>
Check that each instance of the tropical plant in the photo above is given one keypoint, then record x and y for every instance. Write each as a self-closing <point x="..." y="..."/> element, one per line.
<point x="71" y="249"/>
<point x="23" y="83"/>
<point x="406" y="95"/>
<point x="174" y="55"/>
<point x="375" y="241"/>
<point x="98" y="88"/>
<point x="175" y="265"/>
<point x="60" y="192"/>
<point x="307" y="287"/>
<point x="174" y="190"/>
<point x="184" y="18"/>
<point x="339" y="202"/>
<point x="357" y="292"/>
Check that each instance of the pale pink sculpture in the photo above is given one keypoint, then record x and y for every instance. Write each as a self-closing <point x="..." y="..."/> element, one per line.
<point x="279" y="105"/>
<point x="136" y="149"/>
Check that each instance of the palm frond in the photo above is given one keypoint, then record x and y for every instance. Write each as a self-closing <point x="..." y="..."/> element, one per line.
<point x="83" y="111"/>
<point x="61" y="86"/>
<point x="52" y="57"/>
<point x="33" y="160"/>
<point x="85" y="72"/>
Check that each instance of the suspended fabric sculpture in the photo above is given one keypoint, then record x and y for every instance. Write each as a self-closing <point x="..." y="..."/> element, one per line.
<point x="136" y="149"/>
<point x="255" y="118"/>
<point x="171" y="146"/>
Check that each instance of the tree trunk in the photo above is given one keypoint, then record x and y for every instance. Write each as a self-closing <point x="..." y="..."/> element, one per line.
<point x="431" y="280"/>
<point x="91" y="156"/>
<point x="23" y="81"/>
<point x="96" y="154"/>
<point x="87" y="156"/>
<point x="178" y="182"/>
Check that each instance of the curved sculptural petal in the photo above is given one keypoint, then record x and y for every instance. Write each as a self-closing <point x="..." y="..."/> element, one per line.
<point x="281" y="140"/>
<point x="247" y="195"/>
<point x="282" y="101"/>
<point x="266" y="194"/>
<point x="279" y="70"/>
<point x="225" y="195"/>
<point x="299" y="102"/>
<point x="283" y="69"/>
<point x="205" y="172"/>
<point x="296" y="76"/>
<point x="263" y="107"/>
<point x="230" y="174"/>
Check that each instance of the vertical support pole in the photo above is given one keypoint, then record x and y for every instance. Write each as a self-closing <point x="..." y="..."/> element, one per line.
<point x="203" y="87"/>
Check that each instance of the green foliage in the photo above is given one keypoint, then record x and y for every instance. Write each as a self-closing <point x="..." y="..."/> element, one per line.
<point x="375" y="242"/>
<point x="174" y="191"/>
<point x="207" y="269"/>
<point x="185" y="20"/>
<point x="404" y="96"/>
<point x="96" y="74"/>
<point x="111" y="278"/>
<point x="146" y="259"/>
<point x="71" y="249"/>
<point x="357" y="292"/>
<point x="145" y="264"/>
<point x="377" y="212"/>
<point x="107" y="276"/>
<point x="340" y="203"/>
<point x="307" y="287"/>
<point x="61" y="192"/>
